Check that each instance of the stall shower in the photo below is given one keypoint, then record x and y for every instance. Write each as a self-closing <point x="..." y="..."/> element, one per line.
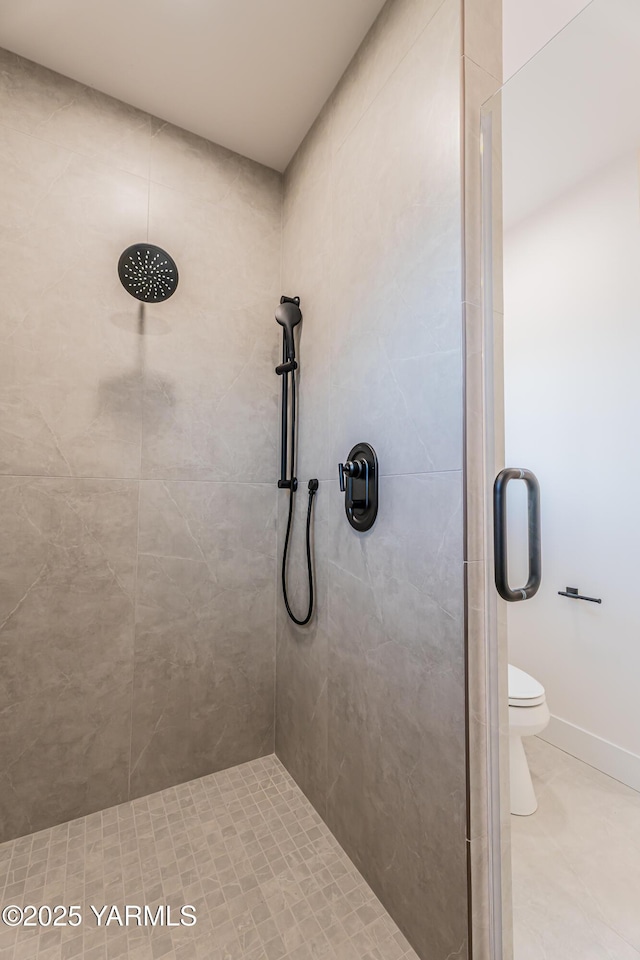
<point x="215" y="693"/>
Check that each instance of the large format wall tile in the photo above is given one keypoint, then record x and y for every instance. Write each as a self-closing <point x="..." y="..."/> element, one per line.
<point x="306" y="247"/>
<point x="396" y="768"/>
<point x="391" y="37"/>
<point x="70" y="379"/>
<point x="370" y="705"/>
<point x="210" y="172"/>
<point x="302" y="664"/>
<point x="66" y="640"/>
<point x="54" y="108"/>
<point x="204" y="653"/>
<point x="83" y="368"/>
<point x="210" y="403"/>
<point x="396" y="369"/>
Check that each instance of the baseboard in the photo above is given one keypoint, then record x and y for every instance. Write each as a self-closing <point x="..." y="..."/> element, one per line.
<point x="601" y="754"/>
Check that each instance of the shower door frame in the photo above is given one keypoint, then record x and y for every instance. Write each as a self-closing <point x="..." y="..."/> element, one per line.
<point x="491" y="923"/>
<point x="498" y="810"/>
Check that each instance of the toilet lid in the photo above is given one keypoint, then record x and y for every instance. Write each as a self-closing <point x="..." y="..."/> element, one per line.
<point x="524" y="691"/>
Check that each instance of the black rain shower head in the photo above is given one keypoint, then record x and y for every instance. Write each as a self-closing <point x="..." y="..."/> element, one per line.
<point x="148" y="273"/>
<point x="289" y="315"/>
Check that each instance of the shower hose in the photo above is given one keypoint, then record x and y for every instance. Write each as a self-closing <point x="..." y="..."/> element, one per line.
<point x="313" y="488"/>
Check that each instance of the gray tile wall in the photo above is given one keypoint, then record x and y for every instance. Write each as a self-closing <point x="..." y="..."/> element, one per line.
<point x="137" y="459"/>
<point x="370" y="699"/>
<point x="137" y="455"/>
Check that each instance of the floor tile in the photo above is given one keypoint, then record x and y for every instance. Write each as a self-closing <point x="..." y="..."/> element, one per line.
<point x="245" y="847"/>
<point x="576" y="863"/>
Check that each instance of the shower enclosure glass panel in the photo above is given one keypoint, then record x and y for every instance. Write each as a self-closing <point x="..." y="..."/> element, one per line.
<point x="567" y="316"/>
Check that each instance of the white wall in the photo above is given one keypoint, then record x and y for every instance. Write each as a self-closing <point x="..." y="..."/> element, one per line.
<point x="528" y="24"/>
<point x="572" y="360"/>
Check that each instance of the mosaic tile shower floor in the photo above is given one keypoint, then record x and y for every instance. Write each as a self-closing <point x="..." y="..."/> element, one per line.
<point x="244" y="846"/>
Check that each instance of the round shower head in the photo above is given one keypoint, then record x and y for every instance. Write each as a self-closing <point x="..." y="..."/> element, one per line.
<point x="148" y="273"/>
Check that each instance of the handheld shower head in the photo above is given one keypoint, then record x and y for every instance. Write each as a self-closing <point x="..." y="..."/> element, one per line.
<point x="289" y="315"/>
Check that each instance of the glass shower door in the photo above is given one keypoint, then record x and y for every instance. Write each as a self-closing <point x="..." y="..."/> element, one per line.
<point x="570" y="131"/>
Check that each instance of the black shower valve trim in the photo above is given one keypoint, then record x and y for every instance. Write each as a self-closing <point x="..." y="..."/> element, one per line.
<point x="358" y="477"/>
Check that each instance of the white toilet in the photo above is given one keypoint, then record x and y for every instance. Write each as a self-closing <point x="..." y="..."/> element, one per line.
<point x="528" y="715"/>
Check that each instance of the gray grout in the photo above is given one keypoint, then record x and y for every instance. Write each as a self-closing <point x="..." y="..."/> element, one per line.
<point x="244" y="846"/>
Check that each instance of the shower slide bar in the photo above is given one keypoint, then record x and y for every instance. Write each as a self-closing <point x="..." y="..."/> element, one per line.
<point x="289" y="317"/>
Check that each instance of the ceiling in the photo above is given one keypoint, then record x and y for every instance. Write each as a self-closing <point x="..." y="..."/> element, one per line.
<point x="573" y="108"/>
<point x="249" y="74"/>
